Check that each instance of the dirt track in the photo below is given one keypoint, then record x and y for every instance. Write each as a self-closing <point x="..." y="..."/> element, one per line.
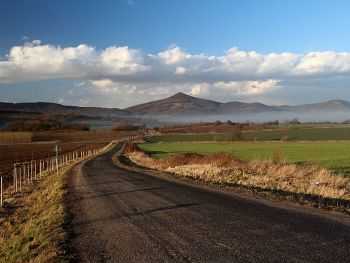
<point x="122" y="216"/>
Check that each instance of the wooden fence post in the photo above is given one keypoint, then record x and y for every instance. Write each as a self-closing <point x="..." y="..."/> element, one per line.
<point x="1" y="194"/>
<point x="57" y="170"/>
<point x="28" y="172"/>
<point x="20" y="180"/>
<point x="25" y="172"/>
<point x="31" y="171"/>
<point x="40" y="168"/>
<point x="35" y="176"/>
<point x="15" y="177"/>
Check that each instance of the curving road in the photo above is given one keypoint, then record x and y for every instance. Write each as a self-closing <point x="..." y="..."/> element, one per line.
<point x="123" y="216"/>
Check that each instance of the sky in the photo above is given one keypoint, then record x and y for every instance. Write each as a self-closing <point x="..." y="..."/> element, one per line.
<point x="117" y="53"/>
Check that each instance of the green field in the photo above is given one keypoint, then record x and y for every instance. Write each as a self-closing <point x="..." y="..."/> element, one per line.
<point x="331" y="154"/>
<point x="294" y="133"/>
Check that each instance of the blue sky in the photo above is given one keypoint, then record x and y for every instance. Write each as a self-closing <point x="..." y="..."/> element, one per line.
<point x="199" y="35"/>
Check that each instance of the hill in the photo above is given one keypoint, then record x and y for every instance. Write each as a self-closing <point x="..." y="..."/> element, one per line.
<point x="182" y="104"/>
<point x="179" y="103"/>
<point x="54" y="108"/>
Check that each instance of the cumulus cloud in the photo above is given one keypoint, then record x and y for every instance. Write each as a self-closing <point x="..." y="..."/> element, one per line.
<point x="200" y="89"/>
<point x="36" y="61"/>
<point x="324" y="63"/>
<point x="173" y="55"/>
<point x="123" y="70"/>
<point x="180" y="70"/>
<point x="104" y="85"/>
<point x="222" y="90"/>
<point x="121" y="60"/>
<point x="247" y="87"/>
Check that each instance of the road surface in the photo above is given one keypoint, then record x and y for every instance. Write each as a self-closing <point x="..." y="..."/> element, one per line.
<point x="123" y="216"/>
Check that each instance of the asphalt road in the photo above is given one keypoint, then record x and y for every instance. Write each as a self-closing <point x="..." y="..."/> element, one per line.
<point x="122" y="216"/>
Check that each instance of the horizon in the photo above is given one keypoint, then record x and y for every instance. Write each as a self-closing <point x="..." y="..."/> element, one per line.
<point x="180" y="92"/>
<point x="123" y="53"/>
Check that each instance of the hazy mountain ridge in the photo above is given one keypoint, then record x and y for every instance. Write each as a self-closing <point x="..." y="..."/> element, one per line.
<point x="179" y="104"/>
<point x="55" y="108"/>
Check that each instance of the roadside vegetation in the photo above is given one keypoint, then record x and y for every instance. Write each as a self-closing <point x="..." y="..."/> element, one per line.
<point x="274" y="174"/>
<point x="31" y="226"/>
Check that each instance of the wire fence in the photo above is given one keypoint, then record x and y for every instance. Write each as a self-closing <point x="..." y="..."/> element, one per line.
<point x="28" y="172"/>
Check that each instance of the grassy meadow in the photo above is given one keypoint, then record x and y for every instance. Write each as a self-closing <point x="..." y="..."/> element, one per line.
<point x="334" y="155"/>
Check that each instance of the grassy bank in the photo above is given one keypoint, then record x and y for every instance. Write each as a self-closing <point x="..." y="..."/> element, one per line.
<point x="32" y="230"/>
<point x="334" y="155"/>
<point x="273" y="176"/>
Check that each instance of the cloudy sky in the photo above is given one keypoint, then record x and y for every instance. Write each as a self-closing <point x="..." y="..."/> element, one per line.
<point x="119" y="53"/>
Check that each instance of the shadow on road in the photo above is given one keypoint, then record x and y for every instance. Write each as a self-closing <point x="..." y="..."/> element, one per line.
<point x="138" y="213"/>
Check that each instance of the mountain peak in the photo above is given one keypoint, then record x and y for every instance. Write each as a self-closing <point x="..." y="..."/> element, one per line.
<point x="179" y="103"/>
<point x="180" y="95"/>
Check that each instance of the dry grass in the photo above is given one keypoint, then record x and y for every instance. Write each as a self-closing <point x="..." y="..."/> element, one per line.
<point x="34" y="232"/>
<point x="272" y="175"/>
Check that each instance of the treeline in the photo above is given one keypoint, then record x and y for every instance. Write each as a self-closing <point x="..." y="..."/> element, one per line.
<point x="44" y="125"/>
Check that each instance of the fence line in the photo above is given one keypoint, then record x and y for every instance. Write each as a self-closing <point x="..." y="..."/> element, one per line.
<point x="26" y="173"/>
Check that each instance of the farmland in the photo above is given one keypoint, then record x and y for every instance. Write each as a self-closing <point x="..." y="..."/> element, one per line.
<point x="285" y="133"/>
<point x="62" y="136"/>
<point x="9" y="154"/>
<point x="25" y="146"/>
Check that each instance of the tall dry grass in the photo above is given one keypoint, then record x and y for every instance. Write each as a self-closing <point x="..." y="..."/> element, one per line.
<point x="272" y="175"/>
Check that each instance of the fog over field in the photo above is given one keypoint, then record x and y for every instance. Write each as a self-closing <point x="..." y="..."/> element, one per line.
<point x="261" y="117"/>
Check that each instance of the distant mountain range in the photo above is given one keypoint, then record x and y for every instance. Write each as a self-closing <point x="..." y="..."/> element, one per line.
<point x="182" y="104"/>
<point x="179" y="104"/>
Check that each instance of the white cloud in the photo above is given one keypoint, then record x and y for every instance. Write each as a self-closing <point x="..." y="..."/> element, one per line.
<point x="247" y="88"/>
<point x="122" y="60"/>
<point x="102" y="83"/>
<point x="123" y="70"/>
<point x="225" y="91"/>
<point x="324" y="63"/>
<point x="201" y="89"/>
<point x="180" y="70"/>
<point x="173" y="55"/>
<point x="37" y="61"/>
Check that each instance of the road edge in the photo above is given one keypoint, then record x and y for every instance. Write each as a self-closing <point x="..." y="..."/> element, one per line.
<point x="270" y="199"/>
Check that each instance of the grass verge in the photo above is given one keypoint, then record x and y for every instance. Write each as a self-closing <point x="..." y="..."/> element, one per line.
<point x="301" y="182"/>
<point x="31" y="228"/>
